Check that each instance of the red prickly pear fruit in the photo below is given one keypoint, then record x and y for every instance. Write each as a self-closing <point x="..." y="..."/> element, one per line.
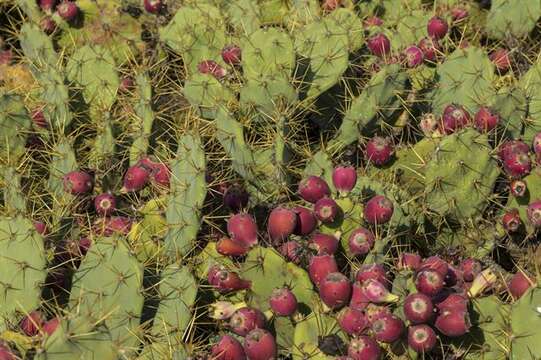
<point x="518" y="188"/>
<point x="418" y="308"/>
<point x="429" y="282"/>
<point x="364" y="348"/>
<point x="50" y="326"/>
<point x="435" y="263"/>
<point x="388" y="329"/>
<point x="536" y="144"/>
<point x="291" y="250"/>
<point x="372" y="21"/>
<point x="326" y="210"/>
<point x="409" y="261"/>
<point x="231" y="54"/>
<point x="236" y="198"/>
<point x="453" y="323"/>
<point x="330" y="5"/>
<point x="245" y="320"/>
<point x="126" y="84"/>
<point x="519" y="284"/>
<point x="32" y="323"/>
<point x="459" y="13"/>
<point x="344" y="178"/>
<point x="453" y="276"/>
<point x="109" y="226"/>
<point x="320" y="266"/>
<point x="226" y="281"/>
<point x="511" y="220"/>
<point x="517" y="165"/>
<point x="379" y="150"/>
<point x="67" y="10"/>
<point x="242" y="229"/>
<point x="283" y="302"/>
<point x="352" y="321"/>
<point x="84" y="245"/>
<point x="324" y="243"/>
<point x="361" y="241"/>
<point x="500" y="59"/>
<point x="153" y="6"/>
<point x="485" y="120"/>
<point x="47" y="25"/>
<point x="372" y="312"/>
<point x="376" y="292"/>
<point x="213" y="68"/>
<point x="6" y="354"/>
<point x="379" y="45"/>
<point x="437" y="28"/>
<point x="358" y="300"/>
<point x="378" y="210"/>
<point x="454" y="117"/>
<point x="39" y="118"/>
<point x="470" y="269"/>
<point x="259" y="344"/>
<point x="161" y="175"/>
<point x="372" y="271"/>
<point x="105" y="204"/>
<point x="453" y="302"/>
<point x="335" y="290"/>
<point x="41" y="227"/>
<point x="414" y="56"/>
<point x="135" y="179"/>
<point x="228" y="348"/>
<point x="534" y="213"/>
<point x="430" y="48"/>
<point x="228" y="247"/>
<point x="47" y="5"/>
<point x="281" y="224"/>
<point x="421" y="338"/>
<point x="78" y="182"/>
<point x="5" y="57"/>
<point x="512" y="147"/>
<point x="306" y="221"/>
<point x="313" y="188"/>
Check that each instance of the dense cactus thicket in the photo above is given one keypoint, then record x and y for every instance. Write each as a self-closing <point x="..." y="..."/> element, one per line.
<point x="270" y="179"/>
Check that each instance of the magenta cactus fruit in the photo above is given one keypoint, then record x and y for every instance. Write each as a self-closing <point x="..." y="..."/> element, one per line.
<point x="235" y="197"/>
<point x="435" y="263"/>
<point x="291" y="250"/>
<point x="518" y="188"/>
<point x="409" y="261"/>
<point x="534" y="213"/>
<point x="330" y="5"/>
<point x="67" y="10"/>
<point x="536" y="145"/>
<point x="511" y="220"/>
<point x="379" y="150"/>
<point x="105" y="204"/>
<point x="282" y="222"/>
<point x="421" y="338"/>
<point x="242" y="229"/>
<point x="388" y="328"/>
<point x="211" y="67"/>
<point x="39" y="118"/>
<point x="47" y="5"/>
<point x="379" y="45"/>
<point x="429" y="282"/>
<point x="78" y="182"/>
<point x="153" y="6"/>
<point x="430" y="48"/>
<point x="47" y="25"/>
<point x="361" y="241"/>
<point x="320" y="266"/>
<point x="372" y="21"/>
<point x="231" y="54"/>
<point x="372" y="271"/>
<point x="335" y="290"/>
<point x="259" y="344"/>
<point x="326" y="210"/>
<point x="459" y="13"/>
<point x="512" y="147"/>
<point x="364" y="348"/>
<point x="485" y="120"/>
<point x="500" y="59"/>
<point x="453" y="323"/>
<point x="228" y="247"/>
<point x="324" y="243"/>
<point x="378" y="210"/>
<point x="245" y="320"/>
<point x="41" y="227"/>
<point x="352" y="321"/>
<point x="228" y="348"/>
<point x="470" y="269"/>
<point x="453" y="302"/>
<point x="344" y="178"/>
<point x="226" y="281"/>
<point x="135" y="179"/>
<point x="376" y="292"/>
<point x="418" y="308"/>
<point x="313" y="188"/>
<point x="437" y="28"/>
<point x="519" y="284"/>
<point x="50" y="326"/>
<point x="6" y="354"/>
<point x="454" y="118"/>
<point x="32" y="323"/>
<point x="306" y="221"/>
<point x="414" y="56"/>
<point x="517" y="164"/>
<point x="126" y="84"/>
<point x="283" y="302"/>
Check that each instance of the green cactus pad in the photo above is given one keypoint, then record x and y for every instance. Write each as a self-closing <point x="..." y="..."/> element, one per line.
<point x="12" y="195"/>
<point x="144" y="120"/>
<point x="267" y="95"/>
<point x="206" y="94"/>
<point x="310" y="331"/>
<point x="531" y="84"/>
<point x="320" y="165"/>
<point x="244" y="16"/>
<point x="37" y="47"/>
<point x="163" y="350"/>
<point x="352" y="25"/>
<point x="15" y="122"/>
<point x="525" y="325"/>
<point x="512" y="17"/>
<point x="209" y="257"/>
<point x="62" y="162"/>
<point x="512" y="106"/>
<point x="461" y="175"/>
<point x="55" y="94"/>
<point x="23" y="269"/>
<point x="188" y="191"/>
<point x="410" y="30"/>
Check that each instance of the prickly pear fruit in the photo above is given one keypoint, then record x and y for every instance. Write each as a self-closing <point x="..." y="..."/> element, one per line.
<point x="418" y="308"/>
<point x="213" y="68"/>
<point x="364" y="348"/>
<point x="236" y="197"/>
<point x="108" y="226"/>
<point x="437" y="28"/>
<point x="511" y="220"/>
<point x="223" y="310"/>
<point x="330" y="5"/>
<point x="361" y="241"/>
<point x="320" y="266"/>
<point x="409" y="261"/>
<point x="41" y="227"/>
<point x="326" y="210"/>
<point x="517" y="165"/>
<point x="291" y="250"/>
<point x="379" y="150"/>
<point x="324" y="243"/>
<point x="536" y="145"/>
<point x="387" y="329"/>
<point x="511" y="147"/>
<point x="153" y="6"/>
<point x="429" y="282"/>
<point x="453" y="323"/>
<point x="376" y="292"/>
<point x="77" y="182"/>
<point x="430" y="48"/>
<point x="379" y="45"/>
<point x="414" y="56"/>
<point x="421" y="338"/>
<point x="344" y="178"/>
<point x="470" y="268"/>
<point x="47" y="25"/>
<point x="32" y="323"/>
<point x="283" y="302"/>
<point x="378" y="210"/>
<point x="519" y="284"/>
<point x="372" y="21"/>
<point x="67" y="10"/>
<point x="135" y="179"/>
<point x="306" y="221"/>
<point x="485" y="120"/>
<point x="231" y="54"/>
<point x="228" y="247"/>
<point x="335" y="290"/>
<point x="453" y="302"/>
<point x="435" y="263"/>
<point x="126" y="84"/>
<point x="281" y="224"/>
<point x="352" y="321"/>
<point x="534" y="213"/>
<point x="226" y="281"/>
<point x="372" y="271"/>
<point x="228" y="348"/>
<point x="500" y="59"/>
<point x="259" y="344"/>
<point x="5" y="353"/>
<point x="454" y="117"/>
<point x="518" y="188"/>
<point x="245" y="320"/>
<point x="39" y="118"/>
<point x="459" y="13"/>
<point x="105" y="204"/>
<point x="50" y="326"/>
<point x="313" y="188"/>
<point x="242" y="229"/>
<point x="47" y="5"/>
